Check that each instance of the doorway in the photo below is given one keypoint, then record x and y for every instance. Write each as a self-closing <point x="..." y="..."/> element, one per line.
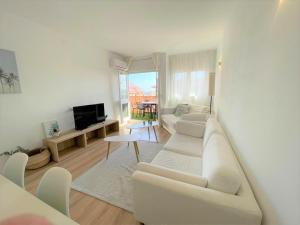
<point x="124" y="101"/>
<point x="143" y="95"/>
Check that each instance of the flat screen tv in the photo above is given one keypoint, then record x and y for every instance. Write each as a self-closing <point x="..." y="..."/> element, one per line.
<point x="87" y="115"/>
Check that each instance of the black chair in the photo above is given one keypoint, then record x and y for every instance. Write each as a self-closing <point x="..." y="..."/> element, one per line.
<point x="141" y="109"/>
<point x="154" y="111"/>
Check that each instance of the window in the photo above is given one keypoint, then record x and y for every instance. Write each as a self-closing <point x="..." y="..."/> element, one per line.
<point x="190" y="87"/>
<point x="188" y="79"/>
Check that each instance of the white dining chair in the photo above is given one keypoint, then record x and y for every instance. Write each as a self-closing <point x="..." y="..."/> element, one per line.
<point x="14" y="168"/>
<point x="54" y="189"/>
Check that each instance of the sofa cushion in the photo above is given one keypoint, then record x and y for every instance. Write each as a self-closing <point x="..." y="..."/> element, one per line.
<point x="196" y="117"/>
<point x="184" y="144"/>
<point x="212" y="126"/>
<point x="169" y="121"/>
<point x="199" y="109"/>
<point x="220" y="165"/>
<point x="170" y="118"/>
<point x="182" y="109"/>
<point x="190" y="128"/>
<point x="176" y="161"/>
<point x="172" y="174"/>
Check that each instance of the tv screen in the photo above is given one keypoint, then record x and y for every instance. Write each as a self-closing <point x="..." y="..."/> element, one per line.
<point x="87" y="115"/>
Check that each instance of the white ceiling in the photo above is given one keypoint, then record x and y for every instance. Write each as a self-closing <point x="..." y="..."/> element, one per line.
<point x="132" y="27"/>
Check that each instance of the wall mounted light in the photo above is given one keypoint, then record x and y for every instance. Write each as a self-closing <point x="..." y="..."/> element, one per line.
<point x="220" y="64"/>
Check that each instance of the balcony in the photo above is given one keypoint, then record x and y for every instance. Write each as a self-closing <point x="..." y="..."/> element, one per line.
<point x="143" y="107"/>
<point x="142" y="93"/>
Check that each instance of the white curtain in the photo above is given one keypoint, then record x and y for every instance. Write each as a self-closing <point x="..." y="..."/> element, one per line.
<point x="159" y="62"/>
<point x="188" y="77"/>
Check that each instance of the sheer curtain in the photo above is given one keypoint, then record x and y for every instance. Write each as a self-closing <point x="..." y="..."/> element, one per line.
<point x="188" y="77"/>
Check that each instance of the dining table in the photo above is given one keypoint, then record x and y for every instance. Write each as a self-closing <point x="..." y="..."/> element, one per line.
<point x="17" y="204"/>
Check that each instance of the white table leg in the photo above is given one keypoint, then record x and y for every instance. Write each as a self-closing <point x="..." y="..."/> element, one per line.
<point x="137" y="152"/>
<point x="149" y="133"/>
<point x="108" y="147"/>
<point x="155" y="134"/>
<point x="130" y="130"/>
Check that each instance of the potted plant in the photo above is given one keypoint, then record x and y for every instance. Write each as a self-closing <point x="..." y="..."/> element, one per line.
<point x="5" y="155"/>
<point x="37" y="158"/>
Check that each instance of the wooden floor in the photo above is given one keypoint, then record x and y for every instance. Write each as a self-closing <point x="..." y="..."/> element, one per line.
<point x="87" y="210"/>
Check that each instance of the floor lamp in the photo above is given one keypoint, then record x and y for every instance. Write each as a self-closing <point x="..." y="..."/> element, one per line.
<point x="211" y="89"/>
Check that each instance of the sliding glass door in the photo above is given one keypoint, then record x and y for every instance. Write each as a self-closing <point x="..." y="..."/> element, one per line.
<point x="143" y="95"/>
<point x="124" y="103"/>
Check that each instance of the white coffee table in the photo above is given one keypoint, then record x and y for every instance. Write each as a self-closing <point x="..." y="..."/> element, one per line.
<point x="144" y="124"/>
<point x="124" y="138"/>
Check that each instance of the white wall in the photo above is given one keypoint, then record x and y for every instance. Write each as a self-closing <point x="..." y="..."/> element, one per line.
<point x="56" y="74"/>
<point x="140" y="65"/>
<point x="259" y="103"/>
<point x="218" y="79"/>
<point x="115" y="85"/>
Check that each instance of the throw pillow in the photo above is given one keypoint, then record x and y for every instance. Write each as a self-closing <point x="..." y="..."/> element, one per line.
<point x="182" y="109"/>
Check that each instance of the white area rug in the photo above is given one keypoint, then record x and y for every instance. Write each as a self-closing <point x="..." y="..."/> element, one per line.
<point x="110" y="180"/>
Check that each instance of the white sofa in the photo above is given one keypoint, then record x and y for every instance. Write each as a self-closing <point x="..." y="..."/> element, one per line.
<point x="195" y="179"/>
<point x="196" y="113"/>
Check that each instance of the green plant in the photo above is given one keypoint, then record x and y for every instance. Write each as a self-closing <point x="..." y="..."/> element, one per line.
<point x="19" y="149"/>
<point x="146" y="117"/>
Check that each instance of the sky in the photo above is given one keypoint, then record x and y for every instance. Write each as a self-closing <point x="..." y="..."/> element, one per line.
<point x="144" y="81"/>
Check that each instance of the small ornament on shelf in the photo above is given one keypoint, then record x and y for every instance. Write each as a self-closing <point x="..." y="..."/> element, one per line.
<point x="51" y="129"/>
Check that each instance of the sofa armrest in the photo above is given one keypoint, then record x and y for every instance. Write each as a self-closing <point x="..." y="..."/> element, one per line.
<point x="190" y="128"/>
<point x="202" y="117"/>
<point x="159" y="200"/>
<point x="172" y="174"/>
<point x="167" y="110"/>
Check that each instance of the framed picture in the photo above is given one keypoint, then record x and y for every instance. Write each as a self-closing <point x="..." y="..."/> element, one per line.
<point x="9" y="77"/>
<point x="51" y="128"/>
